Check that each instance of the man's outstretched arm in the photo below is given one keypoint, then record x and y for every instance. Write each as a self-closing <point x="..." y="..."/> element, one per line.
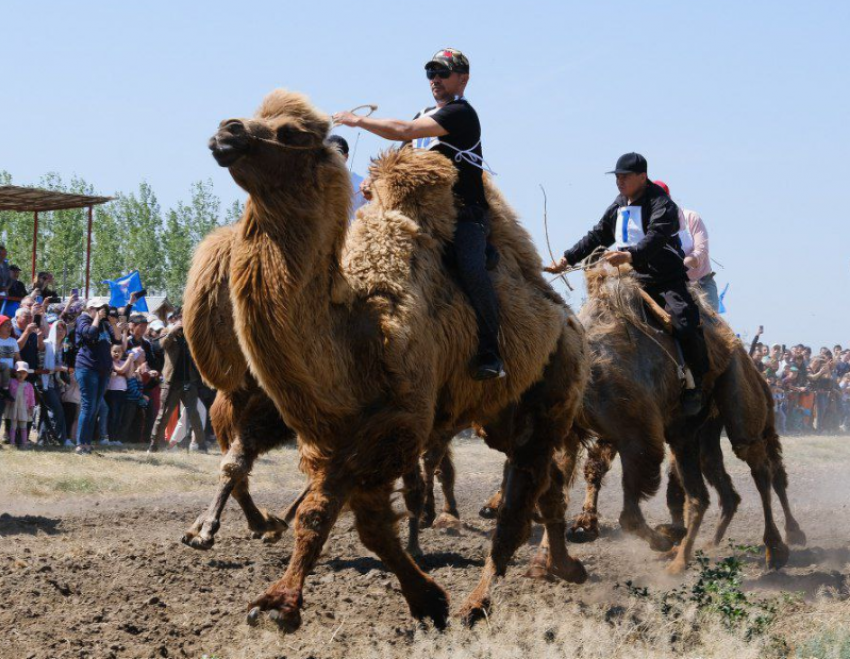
<point x="393" y="129"/>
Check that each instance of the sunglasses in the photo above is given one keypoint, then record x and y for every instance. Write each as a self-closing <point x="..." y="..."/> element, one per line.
<point x="443" y="74"/>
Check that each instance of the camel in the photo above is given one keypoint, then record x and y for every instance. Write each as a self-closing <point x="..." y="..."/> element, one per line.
<point x="751" y="412"/>
<point x="246" y="421"/>
<point x="632" y="406"/>
<point x="362" y="339"/>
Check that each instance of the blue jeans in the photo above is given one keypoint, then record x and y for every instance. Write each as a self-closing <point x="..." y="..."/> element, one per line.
<point x="709" y="287"/>
<point x="92" y="387"/>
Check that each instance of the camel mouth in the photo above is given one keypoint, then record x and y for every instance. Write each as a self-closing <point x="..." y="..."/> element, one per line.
<point x="227" y="152"/>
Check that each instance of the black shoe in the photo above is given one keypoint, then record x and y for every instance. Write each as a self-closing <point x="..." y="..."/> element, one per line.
<point x="488" y="367"/>
<point x="692" y="401"/>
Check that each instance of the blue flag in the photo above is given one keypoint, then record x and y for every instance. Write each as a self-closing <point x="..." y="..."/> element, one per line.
<point x="723" y="295"/>
<point x="120" y="289"/>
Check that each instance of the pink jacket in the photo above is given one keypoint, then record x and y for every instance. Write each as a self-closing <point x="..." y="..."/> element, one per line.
<point x="29" y="392"/>
<point x="691" y="221"/>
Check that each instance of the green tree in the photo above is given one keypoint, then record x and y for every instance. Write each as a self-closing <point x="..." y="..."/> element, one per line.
<point x="108" y="239"/>
<point x="177" y="246"/>
<point x="141" y="219"/>
<point x="62" y="235"/>
<point x="204" y="211"/>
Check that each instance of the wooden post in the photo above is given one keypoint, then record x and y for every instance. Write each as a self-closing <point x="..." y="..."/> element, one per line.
<point x="88" y="253"/>
<point x="34" y="242"/>
<point x="657" y="311"/>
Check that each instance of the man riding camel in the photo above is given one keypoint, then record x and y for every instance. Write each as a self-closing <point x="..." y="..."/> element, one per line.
<point x="452" y="128"/>
<point x="643" y="225"/>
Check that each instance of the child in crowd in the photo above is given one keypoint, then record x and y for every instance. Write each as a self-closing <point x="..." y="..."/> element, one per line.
<point x="19" y="411"/>
<point x="779" y="407"/>
<point x="136" y="400"/>
<point x="116" y="392"/>
<point x="9" y="356"/>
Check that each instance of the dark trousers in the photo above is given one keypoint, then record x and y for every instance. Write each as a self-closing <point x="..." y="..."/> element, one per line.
<point x="470" y="249"/>
<point x="172" y="394"/>
<point x="115" y="400"/>
<point x="687" y="329"/>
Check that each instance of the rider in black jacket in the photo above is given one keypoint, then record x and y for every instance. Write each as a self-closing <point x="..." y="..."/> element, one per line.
<point x="643" y="225"/>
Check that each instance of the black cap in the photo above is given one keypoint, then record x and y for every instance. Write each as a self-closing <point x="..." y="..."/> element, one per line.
<point x="13" y="267"/>
<point x="630" y="163"/>
<point x="138" y="318"/>
<point x="449" y="58"/>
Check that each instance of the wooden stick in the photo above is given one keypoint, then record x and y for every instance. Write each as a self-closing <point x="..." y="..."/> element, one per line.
<point x="657" y="311"/>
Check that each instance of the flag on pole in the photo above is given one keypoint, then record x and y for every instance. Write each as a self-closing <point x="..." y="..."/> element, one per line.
<point x="120" y="289"/>
<point x="723" y="295"/>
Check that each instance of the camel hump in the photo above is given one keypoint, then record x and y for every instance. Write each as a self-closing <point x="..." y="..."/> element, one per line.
<point x="208" y="313"/>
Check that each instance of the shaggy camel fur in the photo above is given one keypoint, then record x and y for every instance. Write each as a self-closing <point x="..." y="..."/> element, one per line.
<point x="245" y="420"/>
<point x="632" y="406"/>
<point x="367" y="360"/>
<point x="749" y="414"/>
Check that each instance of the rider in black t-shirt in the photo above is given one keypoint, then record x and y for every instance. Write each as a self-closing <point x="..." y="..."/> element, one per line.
<point x="452" y="128"/>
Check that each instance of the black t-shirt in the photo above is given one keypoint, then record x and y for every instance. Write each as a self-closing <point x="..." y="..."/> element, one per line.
<point x="460" y="119"/>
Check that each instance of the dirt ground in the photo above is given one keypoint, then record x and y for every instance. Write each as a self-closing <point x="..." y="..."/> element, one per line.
<point x="94" y="570"/>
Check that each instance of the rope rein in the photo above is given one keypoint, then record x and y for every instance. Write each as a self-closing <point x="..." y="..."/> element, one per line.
<point x="369" y="107"/>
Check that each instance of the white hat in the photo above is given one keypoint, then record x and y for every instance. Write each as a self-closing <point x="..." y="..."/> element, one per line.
<point x="157" y="325"/>
<point x="97" y="303"/>
<point x="23" y="366"/>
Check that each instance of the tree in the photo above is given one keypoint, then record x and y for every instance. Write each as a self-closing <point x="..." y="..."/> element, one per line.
<point x="177" y="245"/>
<point x="62" y="235"/>
<point x="108" y="238"/>
<point x="141" y="218"/>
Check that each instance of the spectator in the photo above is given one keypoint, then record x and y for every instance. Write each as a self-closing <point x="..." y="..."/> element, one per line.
<point x="29" y="334"/>
<point x="5" y="276"/>
<point x="16" y="286"/>
<point x="9" y="356"/>
<point x="180" y="384"/>
<point x="96" y="333"/>
<point x="116" y="391"/>
<point x="150" y="375"/>
<point x="43" y="285"/>
<point x="19" y="410"/>
<point x="51" y="381"/>
<point x="136" y="400"/>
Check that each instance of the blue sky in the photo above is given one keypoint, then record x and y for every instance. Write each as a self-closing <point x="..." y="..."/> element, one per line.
<point x="741" y="107"/>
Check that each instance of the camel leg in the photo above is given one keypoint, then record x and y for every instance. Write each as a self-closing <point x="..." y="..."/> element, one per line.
<point x="414" y="499"/>
<point x="793" y="533"/>
<point x="552" y="558"/>
<point x="711" y="464"/>
<point x="686" y="450"/>
<point x="376" y="525"/>
<point x="490" y="510"/>
<point x="292" y="508"/>
<point x="235" y="467"/>
<point x="430" y="463"/>
<point x="527" y="478"/>
<point x="449" y="519"/>
<point x="675" y="530"/>
<point x="754" y="454"/>
<point x="600" y="456"/>
<point x="641" y="455"/>
<point x="313" y="523"/>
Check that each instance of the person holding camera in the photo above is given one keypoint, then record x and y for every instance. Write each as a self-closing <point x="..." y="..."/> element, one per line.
<point x="180" y="385"/>
<point x="96" y="333"/>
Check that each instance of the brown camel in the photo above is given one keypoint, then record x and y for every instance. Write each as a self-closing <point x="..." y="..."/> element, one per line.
<point x="245" y="420"/>
<point x="631" y="405"/>
<point x="361" y="339"/>
<point x="750" y="412"/>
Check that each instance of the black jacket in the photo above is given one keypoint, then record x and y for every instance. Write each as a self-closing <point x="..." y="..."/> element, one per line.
<point x="658" y="258"/>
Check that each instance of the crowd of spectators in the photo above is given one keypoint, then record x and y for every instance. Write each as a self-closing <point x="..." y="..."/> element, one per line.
<point x="811" y="393"/>
<point x="95" y="374"/>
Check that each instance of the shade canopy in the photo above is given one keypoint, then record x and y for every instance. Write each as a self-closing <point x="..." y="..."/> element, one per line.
<point x="18" y="198"/>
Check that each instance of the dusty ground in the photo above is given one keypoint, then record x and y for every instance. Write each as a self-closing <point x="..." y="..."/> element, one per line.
<point x="91" y="566"/>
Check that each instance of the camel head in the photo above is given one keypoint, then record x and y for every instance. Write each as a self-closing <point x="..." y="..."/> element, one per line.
<point x="414" y="181"/>
<point x="282" y="138"/>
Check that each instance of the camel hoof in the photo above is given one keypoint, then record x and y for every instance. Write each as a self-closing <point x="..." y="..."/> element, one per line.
<point x="427" y="520"/>
<point x="433" y="604"/>
<point x="659" y="542"/>
<point x="677" y="567"/>
<point x="415" y="551"/>
<point x="581" y="534"/>
<point x="197" y="541"/>
<point x="488" y="512"/>
<point x="271" y="537"/>
<point x="777" y="556"/>
<point x="672" y="532"/>
<point x="795" y="537"/>
<point x="253" y="618"/>
<point x="473" y="613"/>
<point x="448" y="523"/>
